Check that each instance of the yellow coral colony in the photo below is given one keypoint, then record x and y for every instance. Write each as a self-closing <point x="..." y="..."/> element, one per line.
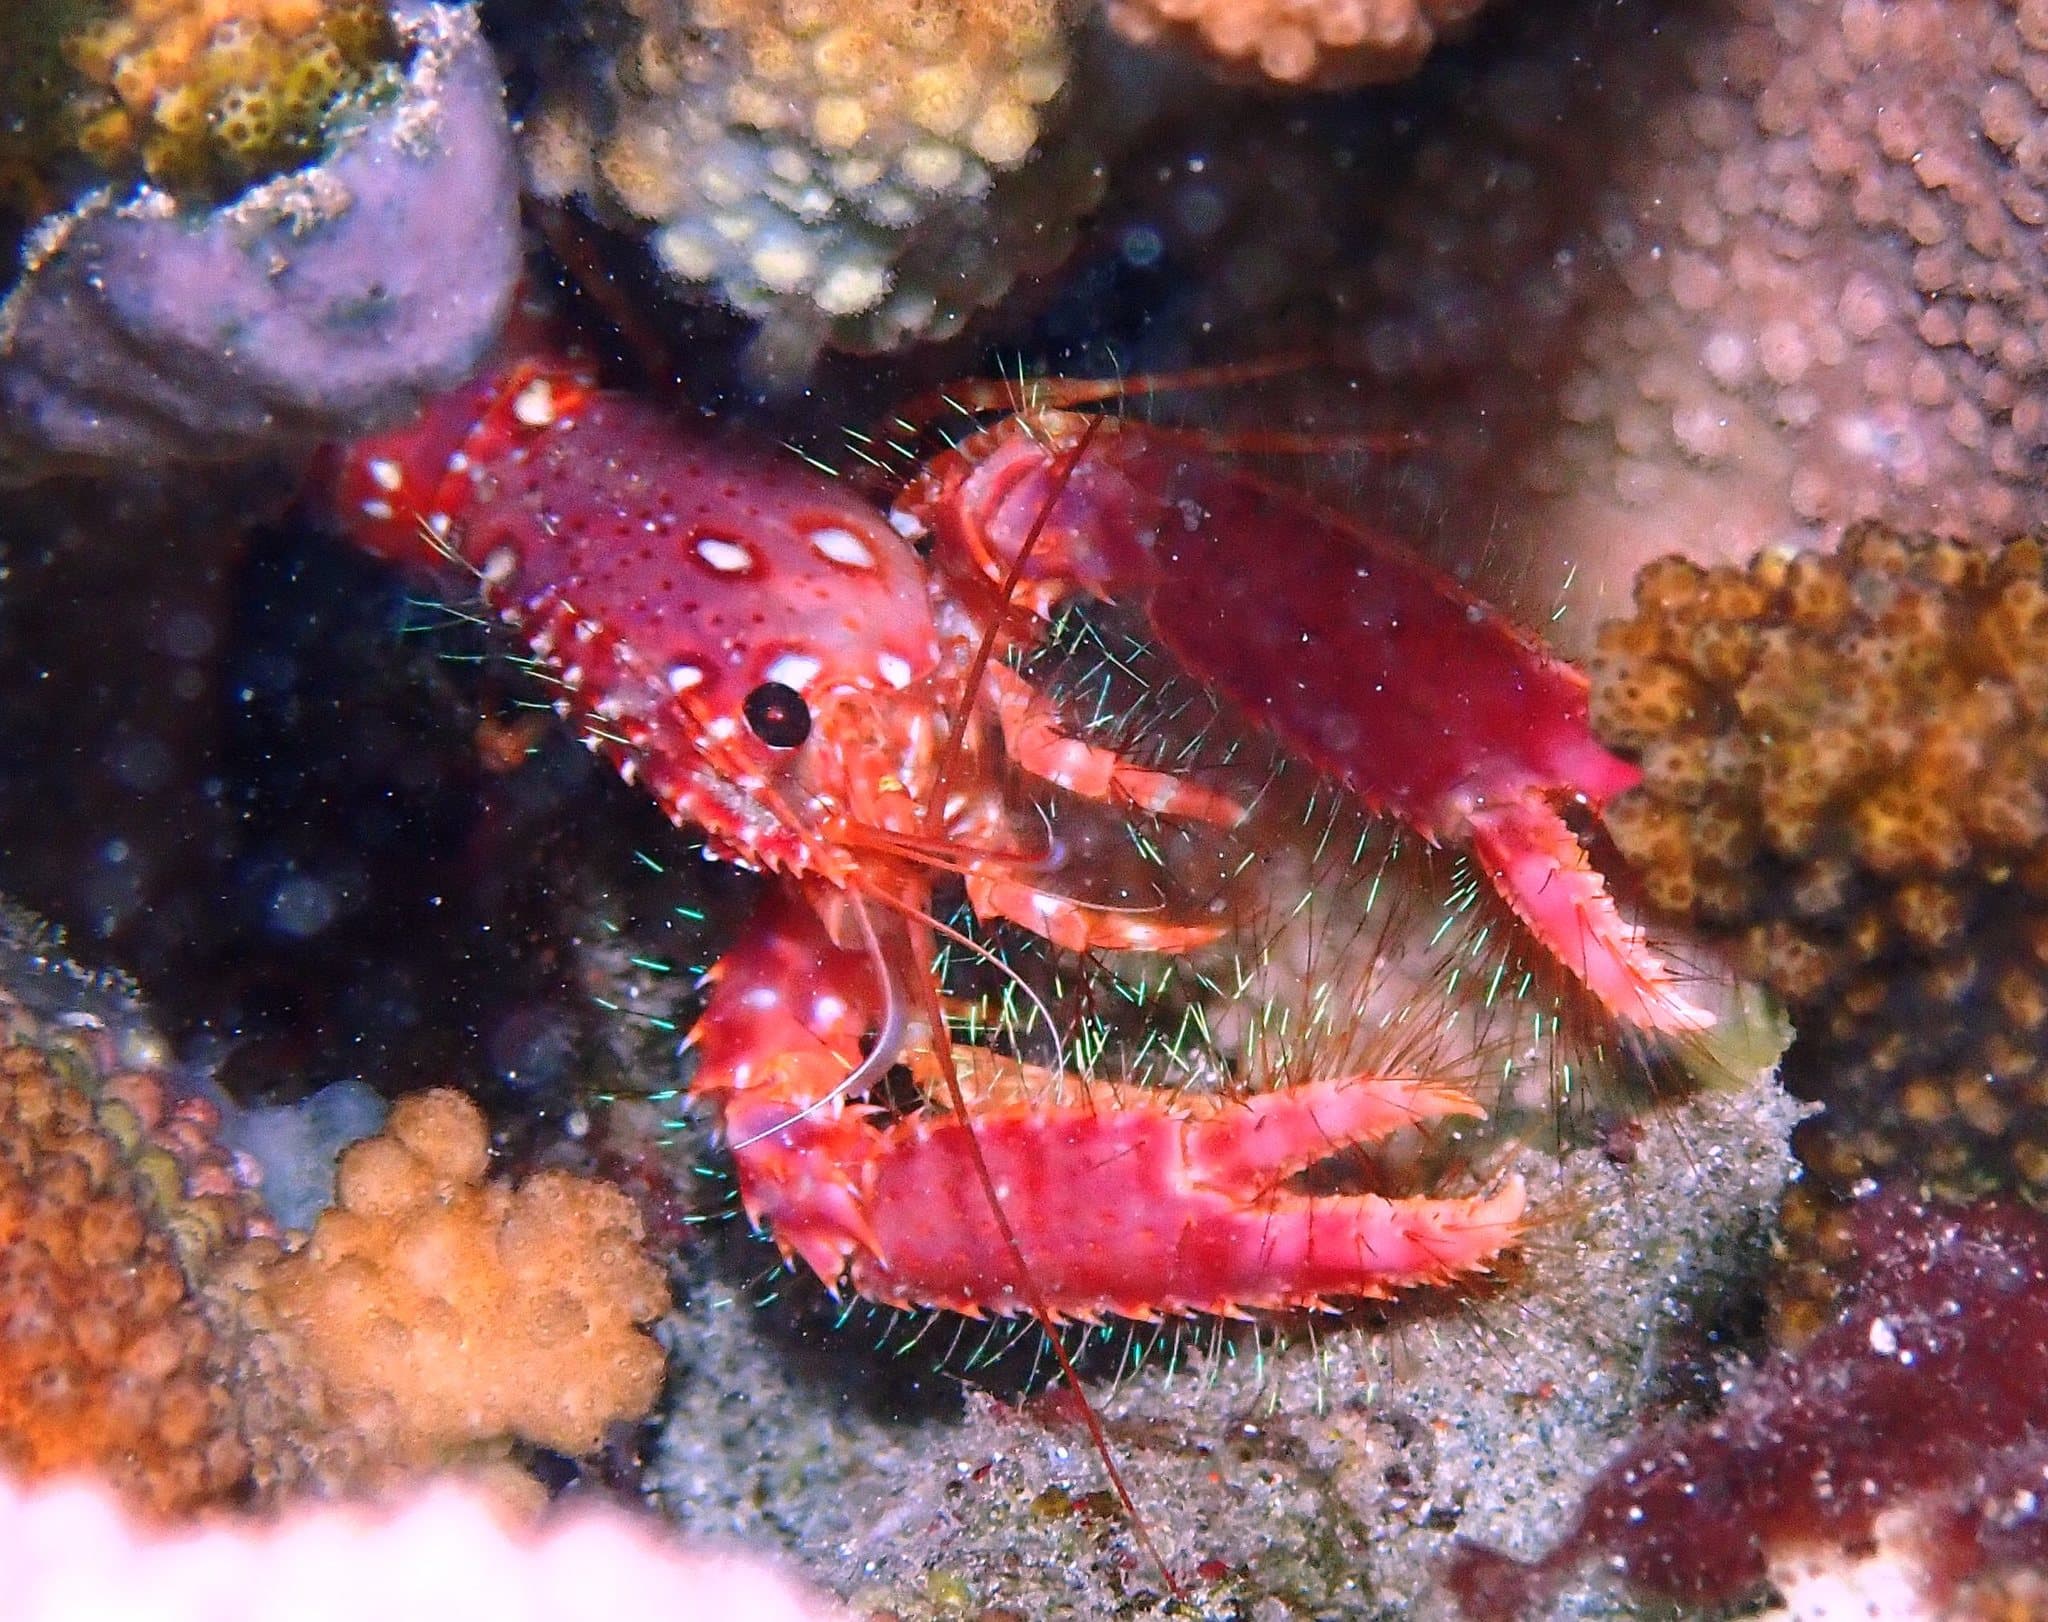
<point x="209" y="93"/>
<point x="1845" y="770"/>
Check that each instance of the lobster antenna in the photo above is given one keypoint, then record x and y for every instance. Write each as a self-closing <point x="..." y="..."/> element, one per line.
<point x="956" y="737"/>
<point x="1034" y="1296"/>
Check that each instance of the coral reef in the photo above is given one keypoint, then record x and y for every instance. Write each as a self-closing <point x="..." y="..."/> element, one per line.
<point x="444" y="1312"/>
<point x="1899" y="1452"/>
<point x="71" y="1555"/>
<point x="318" y="305"/>
<point x="1319" y="44"/>
<point x="215" y="93"/>
<point x="1845" y="772"/>
<point x="840" y="174"/>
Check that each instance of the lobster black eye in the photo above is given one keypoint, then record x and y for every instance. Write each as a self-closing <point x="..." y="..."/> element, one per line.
<point x="778" y="714"/>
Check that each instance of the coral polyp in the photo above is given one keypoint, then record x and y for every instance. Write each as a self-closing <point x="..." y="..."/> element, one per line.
<point x="1845" y="773"/>
<point x="801" y="161"/>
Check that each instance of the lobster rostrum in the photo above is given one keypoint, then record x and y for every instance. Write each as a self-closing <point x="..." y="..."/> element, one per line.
<point x="770" y="656"/>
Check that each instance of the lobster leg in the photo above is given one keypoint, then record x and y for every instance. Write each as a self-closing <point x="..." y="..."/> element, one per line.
<point x="1035" y="740"/>
<point x="1123" y="1200"/>
<point x="1537" y="865"/>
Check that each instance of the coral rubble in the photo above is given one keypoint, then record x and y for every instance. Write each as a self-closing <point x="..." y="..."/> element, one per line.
<point x="840" y="173"/>
<point x="315" y="306"/>
<point x="1845" y="769"/>
<point x="1898" y="1452"/>
<point x="218" y="92"/>
<point x="1316" y="43"/>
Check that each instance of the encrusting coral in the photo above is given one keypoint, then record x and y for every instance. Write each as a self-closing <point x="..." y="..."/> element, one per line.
<point x="444" y="1311"/>
<point x="1317" y="44"/>
<point x="1892" y="1467"/>
<point x="218" y="92"/>
<point x="1845" y="773"/>
<point x="786" y="156"/>
<point x="1651" y="278"/>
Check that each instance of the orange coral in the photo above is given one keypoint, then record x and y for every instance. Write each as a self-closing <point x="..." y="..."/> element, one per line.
<point x="1845" y="769"/>
<point x="153" y="1333"/>
<point x="1320" y="44"/>
<point x="107" y="1361"/>
<point x="444" y="1311"/>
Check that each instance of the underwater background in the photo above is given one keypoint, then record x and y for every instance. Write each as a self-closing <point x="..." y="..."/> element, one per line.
<point x="372" y="1230"/>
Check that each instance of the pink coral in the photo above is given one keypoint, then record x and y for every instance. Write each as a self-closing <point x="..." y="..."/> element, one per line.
<point x="72" y="1555"/>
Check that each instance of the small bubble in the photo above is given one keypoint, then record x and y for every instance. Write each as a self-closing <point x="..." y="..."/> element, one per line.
<point x="1142" y="247"/>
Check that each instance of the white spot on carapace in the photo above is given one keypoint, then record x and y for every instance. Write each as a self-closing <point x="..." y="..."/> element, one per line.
<point x="534" y="405"/>
<point x="842" y="546"/>
<point x="762" y="997"/>
<point x="727" y="557"/>
<point x="585" y="630"/>
<point x="906" y="524"/>
<point x="458" y="462"/>
<point x="573" y="676"/>
<point x="386" y="473"/>
<point x="629" y="771"/>
<point x="794" y="670"/>
<point x="499" y="566"/>
<point x="681" y="678"/>
<point x="379" y="510"/>
<point x="827" y="1009"/>
<point x="721" y="727"/>
<point x="438" y="525"/>
<point x="895" y="669"/>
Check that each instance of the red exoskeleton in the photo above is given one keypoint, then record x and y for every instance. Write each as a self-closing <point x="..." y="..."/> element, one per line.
<point x="772" y="659"/>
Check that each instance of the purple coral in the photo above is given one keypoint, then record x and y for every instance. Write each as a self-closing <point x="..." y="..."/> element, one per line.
<point x="1912" y="1424"/>
<point x="317" y="306"/>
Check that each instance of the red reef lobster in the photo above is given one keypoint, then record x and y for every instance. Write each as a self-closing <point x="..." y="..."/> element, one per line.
<point x="778" y="665"/>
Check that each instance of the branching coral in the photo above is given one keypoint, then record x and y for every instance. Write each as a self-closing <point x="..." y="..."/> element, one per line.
<point x="792" y="158"/>
<point x="220" y="91"/>
<point x="443" y="1311"/>
<point x="1900" y="1450"/>
<point x="1316" y="43"/>
<point x="1846" y="771"/>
